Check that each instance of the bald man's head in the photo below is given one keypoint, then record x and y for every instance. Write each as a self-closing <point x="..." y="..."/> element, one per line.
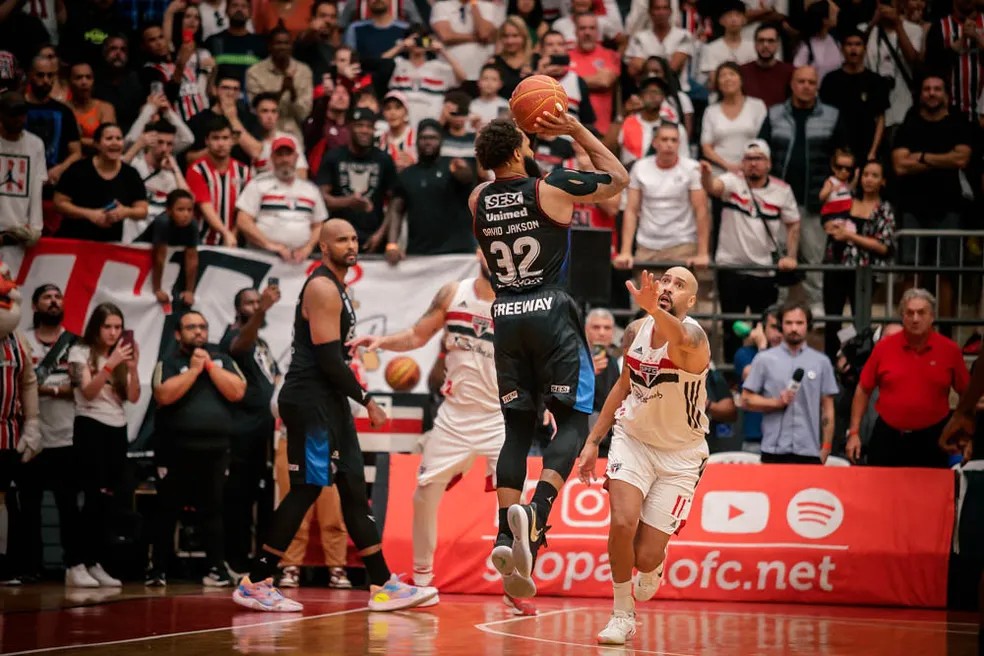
<point x="804" y="86"/>
<point x="677" y="291"/>
<point x="339" y="242"/>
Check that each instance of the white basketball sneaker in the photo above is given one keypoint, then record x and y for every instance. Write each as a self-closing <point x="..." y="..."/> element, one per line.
<point x="621" y="626"/>
<point x="647" y="584"/>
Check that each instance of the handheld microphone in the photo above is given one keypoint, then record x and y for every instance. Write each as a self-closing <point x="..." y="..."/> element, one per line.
<point x="796" y="381"/>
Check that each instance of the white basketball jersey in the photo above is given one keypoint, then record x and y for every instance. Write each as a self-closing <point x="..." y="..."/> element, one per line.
<point x="665" y="405"/>
<point x="471" y="393"/>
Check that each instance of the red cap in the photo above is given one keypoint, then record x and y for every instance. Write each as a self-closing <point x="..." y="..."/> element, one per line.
<point x="283" y="142"/>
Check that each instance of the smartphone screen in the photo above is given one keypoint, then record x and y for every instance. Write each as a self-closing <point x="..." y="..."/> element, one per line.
<point x="273" y="281"/>
<point x="126" y="338"/>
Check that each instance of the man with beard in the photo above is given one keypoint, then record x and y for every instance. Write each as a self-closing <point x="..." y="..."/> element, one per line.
<point x="195" y="390"/>
<point x="635" y="133"/>
<point x="250" y="480"/>
<point x="376" y="35"/>
<point x="177" y="75"/>
<point x="237" y="47"/>
<point x="55" y="467"/>
<point x="52" y="121"/>
<point x="322" y="445"/>
<point x="798" y="421"/>
<point x="117" y="83"/>
<point x="767" y="78"/>
<point x="159" y="171"/>
<point x="22" y="174"/>
<point x="658" y="451"/>
<point x="356" y="179"/>
<point x="282" y="213"/>
<point x="758" y="213"/>
<point x="541" y="354"/>
<point x="469" y="423"/>
<point x="316" y="45"/>
<point x="431" y="196"/>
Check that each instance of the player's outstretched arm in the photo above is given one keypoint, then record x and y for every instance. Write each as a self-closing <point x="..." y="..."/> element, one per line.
<point x="606" y="418"/>
<point x="420" y="333"/>
<point x="609" y="177"/>
<point x="686" y="343"/>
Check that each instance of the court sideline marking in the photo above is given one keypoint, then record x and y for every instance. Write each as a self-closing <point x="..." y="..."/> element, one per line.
<point x="484" y="627"/>
<point x="290" y="620"/>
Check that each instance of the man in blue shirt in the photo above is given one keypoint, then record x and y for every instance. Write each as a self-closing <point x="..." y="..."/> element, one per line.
<point x="376" y="35"/>
<point x="795" y="416"/>
<point x="765" y="335"/>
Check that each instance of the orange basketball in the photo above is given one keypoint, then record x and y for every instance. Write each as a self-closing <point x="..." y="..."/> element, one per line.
<point x="402" y="373"/>
<point x="535" y="95"/>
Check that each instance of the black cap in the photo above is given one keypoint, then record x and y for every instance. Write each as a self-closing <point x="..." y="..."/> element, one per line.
<point x="12" y="103"/>
<point x="362" y="114"/>
<point x="429" y="124"/>
<point x="47" y="287"/>
<point x="658" y="81"/>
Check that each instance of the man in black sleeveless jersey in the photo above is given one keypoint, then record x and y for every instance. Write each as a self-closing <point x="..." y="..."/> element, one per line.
<point x="541" y="355"/>
<point x="322" y="446"/>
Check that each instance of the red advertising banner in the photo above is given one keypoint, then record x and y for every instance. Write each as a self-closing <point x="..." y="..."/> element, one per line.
<point x="778" y="533"/>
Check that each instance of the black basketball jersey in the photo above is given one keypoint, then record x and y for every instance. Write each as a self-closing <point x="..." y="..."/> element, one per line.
<point x="525" y="249"/>
<point x="304" y="376"/>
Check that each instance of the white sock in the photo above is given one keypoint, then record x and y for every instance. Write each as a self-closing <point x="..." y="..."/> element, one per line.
<point x="648" y="574"/>
<point x="623" y="596"/>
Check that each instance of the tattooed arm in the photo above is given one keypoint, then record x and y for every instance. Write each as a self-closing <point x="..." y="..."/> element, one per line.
<point x="412" y="338"/>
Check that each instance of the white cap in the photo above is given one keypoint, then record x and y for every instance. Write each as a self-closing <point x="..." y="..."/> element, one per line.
<point x="759" y="145"/>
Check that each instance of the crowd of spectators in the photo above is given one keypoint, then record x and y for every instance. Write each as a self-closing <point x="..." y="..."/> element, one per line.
<point x="760" y="135"/>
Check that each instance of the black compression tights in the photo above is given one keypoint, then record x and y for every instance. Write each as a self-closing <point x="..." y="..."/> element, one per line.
<point x="290" y="513"/>
<point x="560" y="454"/>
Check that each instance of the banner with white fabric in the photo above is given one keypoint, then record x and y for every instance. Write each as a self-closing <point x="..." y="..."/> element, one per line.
<point x="386" y="298"/>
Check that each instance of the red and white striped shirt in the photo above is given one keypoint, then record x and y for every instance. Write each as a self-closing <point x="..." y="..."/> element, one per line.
<point x="11" y="413"/>
<point x="405" y="143"/>
<point x="220" y="188"/>
<point x="191" y="98"/>
<point x="967" y="74"/>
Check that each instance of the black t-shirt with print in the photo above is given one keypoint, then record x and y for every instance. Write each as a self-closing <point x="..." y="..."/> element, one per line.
<point x="372" y="175"/>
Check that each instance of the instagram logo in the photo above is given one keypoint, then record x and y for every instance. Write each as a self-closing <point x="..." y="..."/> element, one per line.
<point x="814" y="513"/>
<point x="582" y="506"/>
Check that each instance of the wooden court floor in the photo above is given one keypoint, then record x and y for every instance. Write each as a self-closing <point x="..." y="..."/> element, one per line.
<point x="182" y="620"/>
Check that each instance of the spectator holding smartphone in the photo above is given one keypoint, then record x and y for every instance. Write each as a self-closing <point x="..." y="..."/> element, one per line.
<point x="103" y="370"/>
<point x="96" y="194"/>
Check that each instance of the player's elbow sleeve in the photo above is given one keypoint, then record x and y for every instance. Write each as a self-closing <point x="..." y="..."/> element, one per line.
<point x="333" y="366"/>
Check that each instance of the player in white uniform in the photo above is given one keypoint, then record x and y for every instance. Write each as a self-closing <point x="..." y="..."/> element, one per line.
<point x="469" y="423"/>
<point x="658" y="447"/>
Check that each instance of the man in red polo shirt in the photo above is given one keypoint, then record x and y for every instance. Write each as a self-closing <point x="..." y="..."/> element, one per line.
<point x="914" y="371"/>
<point x="598" y="66"/>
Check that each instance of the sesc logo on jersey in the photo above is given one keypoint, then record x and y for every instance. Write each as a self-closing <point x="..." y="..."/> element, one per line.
<point x="496" y="201"/>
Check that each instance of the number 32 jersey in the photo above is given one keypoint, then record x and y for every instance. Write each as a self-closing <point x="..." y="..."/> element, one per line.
<point x="525" y="249"/>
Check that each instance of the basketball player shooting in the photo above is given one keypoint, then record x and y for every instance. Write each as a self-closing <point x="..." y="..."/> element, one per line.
<point x="658" y="449"/>
<point x="322" y="445"/>
<point x="523" y="225"/>
<point x="469" y="423"/>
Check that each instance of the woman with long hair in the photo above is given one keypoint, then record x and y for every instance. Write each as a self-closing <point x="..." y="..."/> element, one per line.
<point x="103" y="369"/>
<point x="867" y="237"/>
<point x="817" y="47"/>
<point x="531" y="13"/>
<point x="731" y="122"/>
<point x="96" y="194"/>
<point x="183" y="22"/>
<point x="89" y="112"/>
<point x="513" y="54"/>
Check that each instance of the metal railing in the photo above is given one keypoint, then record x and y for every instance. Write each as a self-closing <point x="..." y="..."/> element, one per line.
<point x="876" y="288"/>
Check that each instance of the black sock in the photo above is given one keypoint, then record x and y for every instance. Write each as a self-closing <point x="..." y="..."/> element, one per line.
<point x="544" y="498"/>
<point x="264" y="566"/>
<point x="504" y="521"/>
<point x="376" y="568"/>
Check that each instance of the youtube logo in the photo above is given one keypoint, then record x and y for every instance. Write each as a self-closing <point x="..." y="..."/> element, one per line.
<point x="734" y="512"/>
